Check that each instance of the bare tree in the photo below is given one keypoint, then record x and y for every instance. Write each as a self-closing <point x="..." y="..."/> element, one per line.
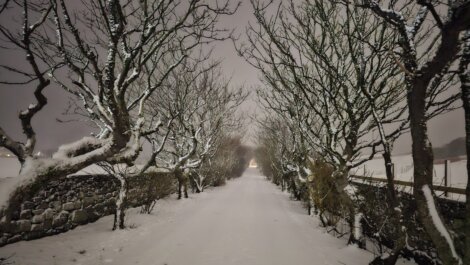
<point x="202" y="105"/>
<point x="110" y="55"/>
<point x="122" y="172"/>
<point x="419" y="78"/>
<point x="310" y="57"/>
<point x="228" y="161"/>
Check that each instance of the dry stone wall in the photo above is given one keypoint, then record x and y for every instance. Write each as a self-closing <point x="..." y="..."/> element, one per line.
<point x="66" y="203"/>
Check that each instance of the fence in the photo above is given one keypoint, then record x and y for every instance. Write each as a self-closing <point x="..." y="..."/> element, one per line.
<point x="410" y="184"/>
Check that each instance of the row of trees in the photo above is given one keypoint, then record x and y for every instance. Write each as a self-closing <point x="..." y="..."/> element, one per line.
<point x="140" y="71"/>
<point x="342" y="81"/>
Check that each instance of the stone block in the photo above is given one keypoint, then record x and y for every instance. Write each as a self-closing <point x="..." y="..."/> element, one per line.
<point x="27" y="205"/>
<point x="37" y="219"/>
<point x="78" y="204"/>
<point x="55" y="205"/>
<point x="14" y="239"/>
<point x="60" y="219"/>
<point x="99" y="207"/>
<point x="38" y="211"/>
<point x="69" y="206"/>
<point x="26" y="214"/>
<point x="49" y="214"/>
<point x="37" y="227"/>
<point x="87" y="201"/>
<point x="79" y="217"/>
<point x="23" y="226"/>
<point x="43" y="205"/>
<point x="47" y="224"/>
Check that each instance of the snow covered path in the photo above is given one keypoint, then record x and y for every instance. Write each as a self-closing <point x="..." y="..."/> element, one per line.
<point x="248" y="221"/>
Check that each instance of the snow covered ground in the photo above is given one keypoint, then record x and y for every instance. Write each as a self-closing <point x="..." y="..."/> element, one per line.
<point x="249" y="221"/>
<point x="457" y="175"/>
<point x="404" y="170"/>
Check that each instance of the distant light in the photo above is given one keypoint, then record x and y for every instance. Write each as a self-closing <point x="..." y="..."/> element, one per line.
<point x="8" y="155"/>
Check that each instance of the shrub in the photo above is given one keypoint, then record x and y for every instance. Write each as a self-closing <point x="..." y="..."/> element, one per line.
<point x="159" y="185"/>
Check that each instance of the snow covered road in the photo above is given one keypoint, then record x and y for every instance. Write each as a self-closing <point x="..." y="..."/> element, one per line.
<point x="248" y="221"/>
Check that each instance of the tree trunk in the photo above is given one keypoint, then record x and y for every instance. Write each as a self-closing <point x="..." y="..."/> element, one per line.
<point x="182" y="183"/>
<point x="394" y="211"/>
<point x="423" y="173"/>
<point x="464" y="74"/>
<point x="121" y="204"/>
<point x="345" y="200"/>
<point x="390" y="177"/>
<point x="199" y="181"/>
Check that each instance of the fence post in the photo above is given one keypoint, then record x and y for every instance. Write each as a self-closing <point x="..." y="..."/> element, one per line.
<point x="446" y="175"/>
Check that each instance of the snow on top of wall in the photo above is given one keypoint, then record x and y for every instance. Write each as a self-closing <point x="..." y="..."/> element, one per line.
<point x="10" y="178"/>
<point x="10" y="167"/>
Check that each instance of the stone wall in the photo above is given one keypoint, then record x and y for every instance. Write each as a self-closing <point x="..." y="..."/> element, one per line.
<point x="66" y="203"/>
<point x="419" y="245"/>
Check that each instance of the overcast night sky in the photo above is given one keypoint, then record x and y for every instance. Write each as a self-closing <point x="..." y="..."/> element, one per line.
<point x="51" y="133"/>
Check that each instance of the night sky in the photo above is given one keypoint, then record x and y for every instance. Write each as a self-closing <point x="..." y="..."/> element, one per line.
<point x="52" y="133"/>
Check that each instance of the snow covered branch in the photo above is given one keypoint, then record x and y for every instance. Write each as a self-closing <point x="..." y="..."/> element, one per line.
<point x="116" y="57"/>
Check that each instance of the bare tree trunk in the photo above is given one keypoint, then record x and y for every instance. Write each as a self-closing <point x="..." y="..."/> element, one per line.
<point x="185" y="185"/>
<point x="199" y="182"/>
<point x="182" y="183"/>
<point x="423" y="174"/>
<point x="180" y="186"/>
<point x="464" y="74"/>
<point x="390" y="177"/>
<point x="121" y="203"/>
<point x="400" y="241"/>
<point x="341" y="182"/>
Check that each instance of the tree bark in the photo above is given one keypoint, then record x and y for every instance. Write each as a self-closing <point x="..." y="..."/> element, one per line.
<point x="423" y="171"/>
<point x="182" y="183"/>
<point x="418" y="82"/>
<point x="464" y="75"/>
<point x="394" y="211"/>
<point x="121" y="203"/>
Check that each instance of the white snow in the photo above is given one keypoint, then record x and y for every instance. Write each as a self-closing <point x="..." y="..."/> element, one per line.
<point x="9" y="184"/>
<point x="248" y="221"/>
<point x="64" y="150"/>
<point x="358" y="226"/>
<point x="404" y="171"/>
<point x="438" y="222"/>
